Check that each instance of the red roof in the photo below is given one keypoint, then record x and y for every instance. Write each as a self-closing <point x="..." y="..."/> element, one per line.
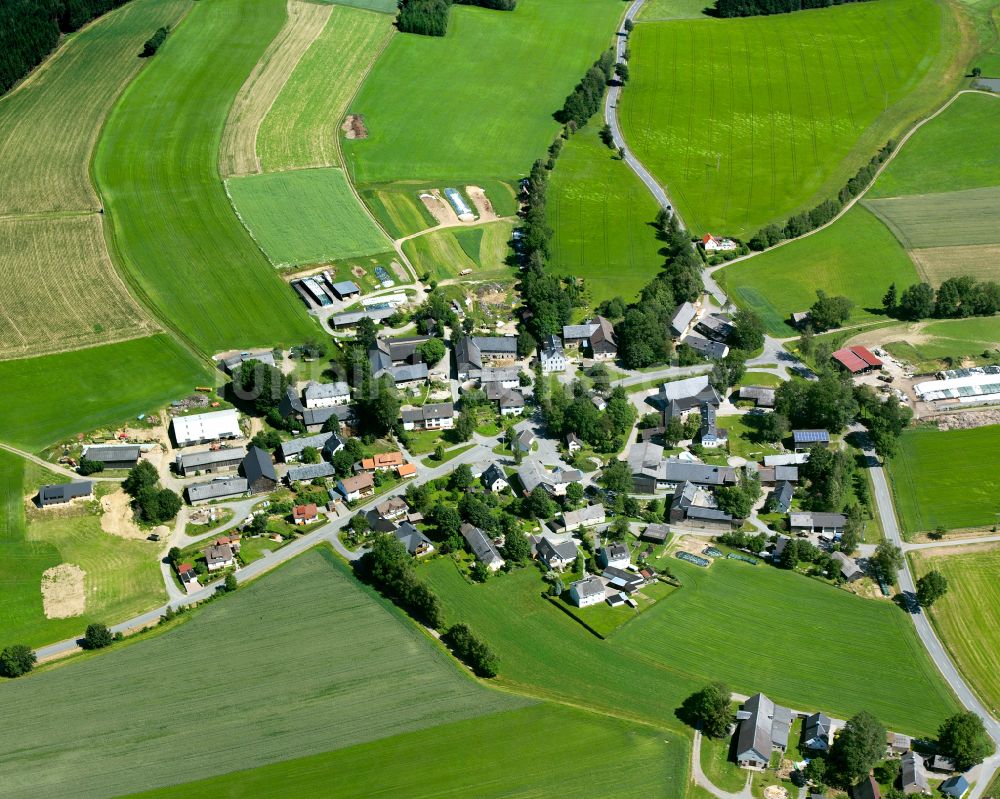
<point x="706" y="238"/>
<point x="304" y="511"/>
<point x="185" y="567"/>
<point x="857" y="359"/>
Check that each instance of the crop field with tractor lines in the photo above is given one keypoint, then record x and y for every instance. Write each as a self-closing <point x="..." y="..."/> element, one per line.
<point x="446" y="253"/>
<point x="157" y="168"/>
<point x="748" y="120"/>
<point x="331" y="665"/>
<point x="301" y="128"/>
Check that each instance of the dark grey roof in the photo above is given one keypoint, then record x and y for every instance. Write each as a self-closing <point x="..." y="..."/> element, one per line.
<point x="783" y="493"/>
<point x="763" y="725"/>
<point x="201" y="460"/>
<point x="810" y="436"/>
<point x="310" y="471"/>
<point x="789" y="473"/>
<point x="955" y="786"/>
<point x="549" y="550"/>
<point x="313" y="416"/>
<point x="866" y="789"/>
<point x="496" y="345"/>
<point x="258" y="464"/>
<point x="353" y="317"/>
<point x="329" y="442"/>
<point x="290" y="403"/>
<point x="710" y="349"/>
<point x="433" y="410"/>
<point x="411" y="537"/>
<point x="762" y="395"/>
<point x="63" y="492"/>
<point x="314" y="390"/>
<point x="481" y="545"/>
<point x="113" y="453"/>
<point x="716" y="325"/>
<point x="588" y="586"/>
<point x="217" y="489"/>
<point x="378" y="523"/>
<point x="218" y="553"/>
<point x="678" y="471"/>
<point x="708" y="514"/>
<point x="818" y="725"/>
<point x="467" y="355"/>
<point x="912" y="774"/>
<point x="492" y="474"/>
<point x="345" y="287"/>
<point x="656" y="532"/>
<point x="809" y="519"/>
<point x="408" y="372"/>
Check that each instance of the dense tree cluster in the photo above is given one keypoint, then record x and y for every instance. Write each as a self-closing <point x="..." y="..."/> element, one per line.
<point x="829" y="312"/>
<point x="430" y="17"/>
<point x="151" y="503"/>
<point x="801" y="223"/>
<point x="87" y="466"/>
<point x="754" y="8"/>
<point x="388" y="566"/>
<point x="859" y="745"/>
<point x="738" y="500"/>
<point x="472" y="650"/>
<point x="828" y="476"/>
<point x="16" y="660"/>
<point x="709" y="710"/>
<point x="30" y="30"/>
<point x="826" y="404"/>
<point x="931" y="587"/>
<point x="956" y="298"/>
<point x="261" y="387"/>
<point x="885" y="419"/>
<point x="964" y="739"/>
<point x="154" y="42"/>
<point x="573" y="412"/>
<point x="585" y="100"/>
<point x="737" y="539"/>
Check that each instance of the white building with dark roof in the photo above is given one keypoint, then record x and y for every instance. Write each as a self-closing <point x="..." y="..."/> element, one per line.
<point x="326" y="395"/>
<point x="203" y="428"/>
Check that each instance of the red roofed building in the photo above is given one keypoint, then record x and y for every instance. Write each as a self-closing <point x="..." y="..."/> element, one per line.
<point x="857" y="360"/>
<point x="305" y="514"/>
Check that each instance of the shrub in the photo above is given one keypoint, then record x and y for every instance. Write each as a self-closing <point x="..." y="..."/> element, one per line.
<point x="472" y="650"/>
<point x="97" y="636"/>
<point x="16" y="660"/>
<point x="153" y="43"/>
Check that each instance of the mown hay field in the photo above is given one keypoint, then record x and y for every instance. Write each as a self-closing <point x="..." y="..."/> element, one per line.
<point x="60" y="289"/>
<point x="477" y="102"/>
<point x="976" y="338"/>
<point x="447" y="253"/>
<point x="48" y="126"/>
<point x="937" y="264"/>
<point x="953" y="218"/>
<point x="305" y="216"/>
<point x="950" y="153"/>
<point x="747" y="120"/>
<point x="701" y="633"/>
<point x="385" y="6"/>
<point x="603" y="216"/>
<point x="967" y="618"/>
<point x="303" y="661"/>
<point x="857" y="257"/>
<point x="945" y="478"/>
<point x="238" y="151"/>
<point x="52" y="397"/>
<point x="122" y="576"/>
<point x="545" y="741"/>
<point x="157" y="168"/>
<point x="301" y="128"/>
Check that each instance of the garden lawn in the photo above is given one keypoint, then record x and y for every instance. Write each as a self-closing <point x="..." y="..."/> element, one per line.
<point x="477" y="102"/>
<point x="743" y="440"/>
<point x="602" y="216"/>
<point x="306" y="216"/>
<point x="717" y="765"/>
<point x="857" y="257"/>
<point x="545" y="741"/>
<point x="333" y="665"/>
<point x="156" y="165"/>
<point x="945" y="478"/>
<point x="122" y="576"/>
<point x="302" y="126"/>
<point x="967" y="618"/>
<point x="949" y="153"/>
<point x="748" y="120"/>
<point x="447" y="253"/>
<point x="701" y="633"/>
<point x="50" y="398"/>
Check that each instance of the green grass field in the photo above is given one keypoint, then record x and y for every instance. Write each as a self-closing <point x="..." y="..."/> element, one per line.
<point x="477" y="102"/>
<point x="967" y="617"/>
<point x="949" y="153"/>
<point x="602" y="215"/>
<point x="747" y="120"/>
<point x="385" y="6"/>
<point x="446" y="253"/>
<point x="303" y="661"/>
<point x="857" y="257"/>
<point x="305" y="216"/>
<point x="545" y="742"/>
<point x="944" y="479"/>
<point x="55" y="396"/>
<point x="954" y="339"/>
<point x="157" y="168"/>
<point x="656" y="10"/>
<point x="122" y="576"/>
<point x="755" y="628"/>
<point x="302" y="126"/>
<point x="944" y="219"/>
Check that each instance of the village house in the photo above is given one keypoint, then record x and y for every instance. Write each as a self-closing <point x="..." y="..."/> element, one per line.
<point x="955" y="787"/>
<point x="761" y="396"/>
<point x="326" y="443"/>
<point x="706" y="347"/>
<point x="188" y="577"/>
<point x="680" y="397"/>
<point x="556" y="555"/>
<point x="817" y="728"/>
<point x="220" y="488"/>
<point x="573" y="443"/>
<point x="912" y="776"/>
<point x="684" y="314"/>
<point x="305" y="514"/>
<point x="380" y="462"/>
<point x="494" y="479"/>
<point x="712" y="244"/>
<point x="309" y="472"/>
<point x="416" y="543"/>
<point x="716" y="326"/>
<point x="828" y="524"/>
<point x="849" y="568"/>
<point x="219" y="556"/>
<point x="399" y="360"/>
<point x="326" y="395"/>
<point x="482" y="547"/>
<point x="533" y="474"/>
<point x="406" y="470"/>
<point x="711" y="435"/>
<point x="806" y="439"/>
<point x="866" y="789"/>
<point x="510" y="401"/>
<point x="586" y="592"/>
<point x="525" y="441"/>
<point x="203" y="428"/>
<point x="64" y="492"/>
<point x="616" y="555"/>
<point x="763" y="727"/>
<point x="433" y="416"/>
<point x="356" y="487"/>
<point x="591" y="516"/>
<point x="595" y="337"/>
<point x="393" y="509"/>
<point x="551" y="355"/>
<point x="259" y="472"/>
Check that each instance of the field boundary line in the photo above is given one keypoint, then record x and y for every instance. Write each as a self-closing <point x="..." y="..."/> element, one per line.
<point x="857" y="199"/>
